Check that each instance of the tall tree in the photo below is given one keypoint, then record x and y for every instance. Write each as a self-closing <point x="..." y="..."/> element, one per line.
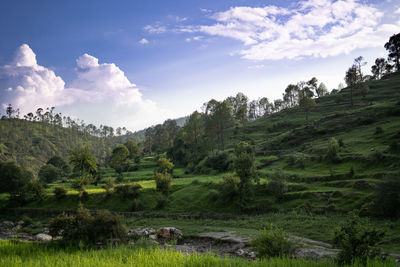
<point x="322" y="90"/>
<point x="351" y="79"/>
<point x="379" y="68"/>
<point x="358" y="64"/>
<point x="119" y="158"/>
<point x="218" y="122"/>
<point x="193" y="131"/>
<point x="83" y="162"/>
<point x="393" y="47"/>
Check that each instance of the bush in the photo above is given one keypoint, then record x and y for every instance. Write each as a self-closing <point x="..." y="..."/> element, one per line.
<point x="298" y="160"/>
<point x="277" y="186"/>
<point x="378" y="130"/>
<point x="220" y="161"/>
<point x="128" y="191"/>
<point x="333" y="150"/>
<point x="272" y="242"/>
<point x="137" y="205"/>
<point x="87" y="229"/>
<point x="163" y="181"/>
<point x="357" y="240"/>
<point x="230" y="187"/>
<point x="34" y="190"/>
<point x="387" y="198"/>
<point x="49" y="173"/>
<point x="60" y="192"/>
<point x="109" y="185"/>
<point x="161" y="202"/>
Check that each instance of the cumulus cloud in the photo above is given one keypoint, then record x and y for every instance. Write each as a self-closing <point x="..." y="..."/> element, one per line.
<point x="316" y="28"/>
<point x="28" y="86"/>
<point x="397" y="11"/>
<point x="143" y="41"/>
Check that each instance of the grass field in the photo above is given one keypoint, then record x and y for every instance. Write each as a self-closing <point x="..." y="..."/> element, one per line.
<point x="28" y="254"/>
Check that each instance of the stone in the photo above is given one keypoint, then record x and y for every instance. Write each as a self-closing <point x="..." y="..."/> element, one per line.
<point x="141" y="232"/>
<point x="169" y="233"/>
<point x="7" y="224"/>
<point x="21" y="222"/>
<point x="226" y="237"/>
<point x="153" y="237"/>
<point x="43" y="237"/>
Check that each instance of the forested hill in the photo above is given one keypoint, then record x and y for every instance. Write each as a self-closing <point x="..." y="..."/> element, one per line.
<point x="31" y="144"/>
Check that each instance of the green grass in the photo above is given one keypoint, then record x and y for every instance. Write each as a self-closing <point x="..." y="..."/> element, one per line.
<point x="31" y="254"/>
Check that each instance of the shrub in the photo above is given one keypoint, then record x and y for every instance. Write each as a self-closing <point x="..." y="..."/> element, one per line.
<point x="357" y="240"/>
<point x="128" y="191"/>
<point x="341" y="143"/>
<point x="377" y="156"/>
<point x="88" y="229"/>
<point x="49" y="173"/>
<point x="272" y="242"/>
<point x="163" y="181"/>
<point x="137" y="205"/>
<point x="333" y="150"/>
<point x="230" y="187"/>
<point x="351" y="172"/>
<point x="164" y="165"/>
<point x="34" y="190"/>
<point x="277" y="188"/>
<point x="109" y="185"/>
<point x="378" y="130"/>
<point x="60" y="192"/>
<point x="161" y="202"/>
<point x="387" y="198"/>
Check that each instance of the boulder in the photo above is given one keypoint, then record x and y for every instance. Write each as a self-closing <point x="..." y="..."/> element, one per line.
<point x="169" y="233"/>
<point x="141" y="232"/>
<point x="43" y="237"/>
<point x="7" y="224"/>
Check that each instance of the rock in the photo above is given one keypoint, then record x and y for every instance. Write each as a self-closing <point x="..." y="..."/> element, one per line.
<point x="43" y="237"/>
<point x="7" y="224"/>
<point x="240" y="252"/>
<point x="153" y="237"/>
<point x="226" y="237"/>
<point x="252" y="255"/>
<point x="46" y="230"/>
<point x="315" y="253"/>
<point x="141" y="232"/>
<point x="21" y="222"/>
<point x="169" y="233"/>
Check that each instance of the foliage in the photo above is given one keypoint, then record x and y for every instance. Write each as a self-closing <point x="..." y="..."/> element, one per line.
<point x="244" y="167"/>
<point x="333" y="150"/>
<point x="33" y="190"/>
<point x="230" y="187"/>
<point x="164" y="165"/>
<point x="128" y="191"/>
<point x="88" y="229"/>
<point x="220" y="161"/>
<point x="387" y="198"/>
<point x="272" y="242"/>
<point x="393" y="47"/>
<point x="163" y="181"/>
<point x="134" y="149"/>
<point x="80" y="182"/>
<point x="118" y="159"/>
<point x="109" y="184"/>
<point x="13" y="178"/>
<point x="83" y="162"/>
<point x="60" y="163"/>
<point x="357" y="239"/>
<point x="60" y="192"/>
<point x="49" y="173"/>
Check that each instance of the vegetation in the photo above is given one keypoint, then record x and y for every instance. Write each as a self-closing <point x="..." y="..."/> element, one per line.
<point x="273" y="242"/>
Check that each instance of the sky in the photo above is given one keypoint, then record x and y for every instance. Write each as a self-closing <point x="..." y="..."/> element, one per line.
<point x="138" y="63"/>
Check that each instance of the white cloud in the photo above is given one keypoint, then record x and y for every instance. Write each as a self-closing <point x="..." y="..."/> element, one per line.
<point x="195" y="38"/>
<point x="156" y="29"/>
<point x="256" y="67"/>
<point x="101" y="90"/>
<point x="316" y="28"/>
<point x="397" y="11"/>
<point x="205" y="10"/>
<point x="143" y="41"/>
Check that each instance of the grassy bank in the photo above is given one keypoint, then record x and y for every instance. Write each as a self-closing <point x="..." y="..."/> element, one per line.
<point x="31" y="254"/>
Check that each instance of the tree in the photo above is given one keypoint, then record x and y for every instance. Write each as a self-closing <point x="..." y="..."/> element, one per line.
<point x="118" y="158"/>
<point x="218" y="122"/>
<point x="83" y="162"/>
<point x="13" y="178"/>
<point x="359" y="63"/>
<point x="351" y="80"/>
<point x="313" y="85"/>
<point x="322" y="90"/>
<point x="134" y="149"/>
<point x="10" y="111"/>
<point x="357" y="239"/>
<point x="306" y="104"/>
<point x="49" y="173"/>
<point x="239" y="106"/>
<point x="163" y="177"/>
<point x="379" y="69"/>
<point x="193" y="131"/>
<point x="393" y="47"/>
<point x="60" y="163"/>
<point x="244" y="167"/>
<point x="290" y="97"/>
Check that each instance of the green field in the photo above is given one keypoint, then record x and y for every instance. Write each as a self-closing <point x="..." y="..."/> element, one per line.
<point x="25" y="254"/>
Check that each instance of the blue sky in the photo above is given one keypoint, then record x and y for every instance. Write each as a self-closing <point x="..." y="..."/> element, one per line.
<point x="137" y="63"/>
